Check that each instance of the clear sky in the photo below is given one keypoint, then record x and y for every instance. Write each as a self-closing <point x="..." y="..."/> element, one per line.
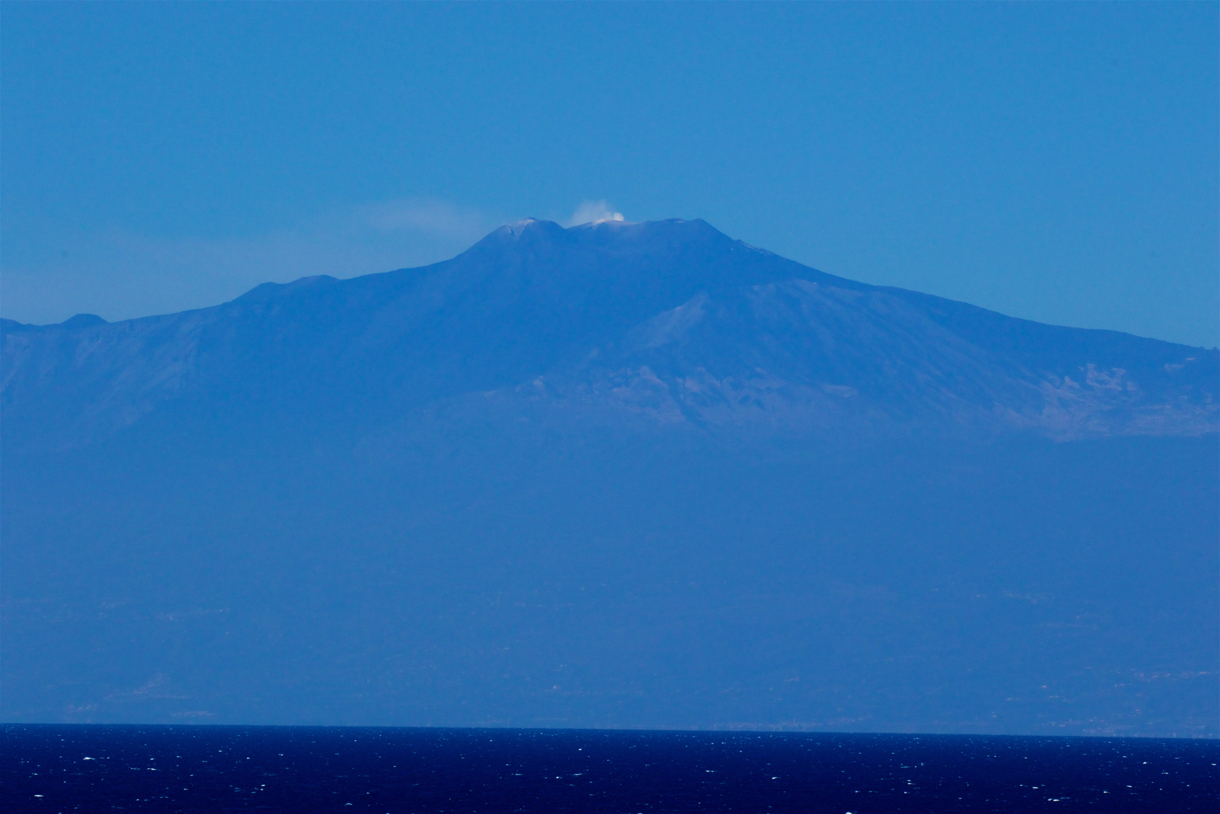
<point x="1053" y="161"/>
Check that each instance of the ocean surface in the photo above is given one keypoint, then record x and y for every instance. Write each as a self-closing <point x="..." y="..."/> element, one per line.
<point x="52" y="768"/>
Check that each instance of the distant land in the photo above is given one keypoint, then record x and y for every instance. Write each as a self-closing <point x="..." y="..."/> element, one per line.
<point x="615" y="475"/>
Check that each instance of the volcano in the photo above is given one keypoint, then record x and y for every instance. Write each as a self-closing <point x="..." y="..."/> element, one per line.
<point x="620" y="474"/>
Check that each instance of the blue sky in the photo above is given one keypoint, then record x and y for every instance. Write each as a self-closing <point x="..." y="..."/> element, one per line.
<point x="1051" y="161"/>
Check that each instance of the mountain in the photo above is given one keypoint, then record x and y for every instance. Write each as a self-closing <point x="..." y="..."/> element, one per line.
<point x="673" y="318"/>
<point x="612" y="475"/>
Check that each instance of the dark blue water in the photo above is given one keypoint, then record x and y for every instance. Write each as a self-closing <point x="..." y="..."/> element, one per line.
<point x="308" y="769"/>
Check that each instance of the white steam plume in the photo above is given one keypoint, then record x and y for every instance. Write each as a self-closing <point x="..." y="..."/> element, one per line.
<point x="591" y="211"/>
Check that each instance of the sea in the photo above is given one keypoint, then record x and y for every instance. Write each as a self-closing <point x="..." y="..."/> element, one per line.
<point x="86" y="768"/>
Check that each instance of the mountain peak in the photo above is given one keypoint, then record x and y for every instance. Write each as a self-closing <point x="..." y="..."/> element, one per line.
<point x="633" y="236"/>
<point x="83" y="321"/>
<point x="526" y="229"/>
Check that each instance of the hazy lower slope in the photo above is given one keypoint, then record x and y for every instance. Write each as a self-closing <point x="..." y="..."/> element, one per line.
<point x="614" y="475"/>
